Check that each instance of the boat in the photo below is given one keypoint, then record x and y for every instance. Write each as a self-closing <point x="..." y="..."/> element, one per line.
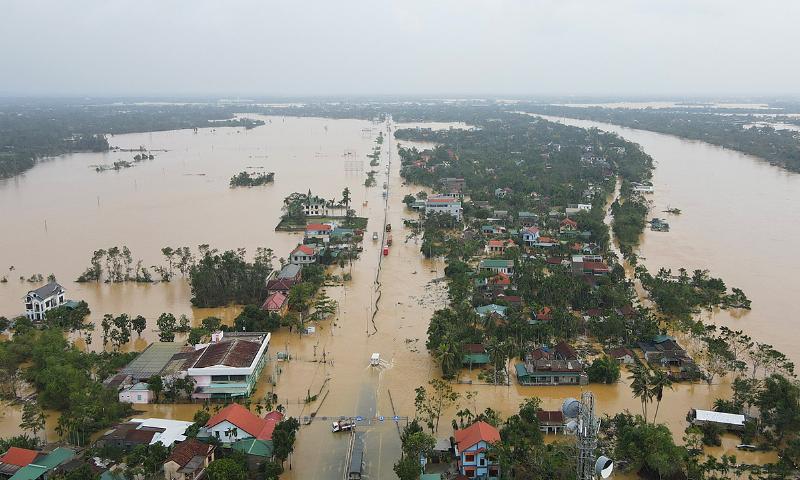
<point x="389" y="240"/>
<point x="673" y="211"/>
<point x="388" y="227"/>
<point x="374" y="236"/>
<point x="747" y="447"/>
<point x="342" y="426"/>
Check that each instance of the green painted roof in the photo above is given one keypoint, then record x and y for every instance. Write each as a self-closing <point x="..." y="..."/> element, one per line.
<point x="476" y="358"/>
<point x="431" y="476"/>
<point x="493" y="262"/>
<point x="491" y="308"/>
<point x="44" y="465"/>
<point x="251" y="446"/>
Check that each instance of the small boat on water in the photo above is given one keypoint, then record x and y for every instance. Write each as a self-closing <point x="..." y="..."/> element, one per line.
<point x="388" y="227"/>
<point x="342" y="426"/>
<point x="673" y="211"/>
<point x="374" y="236"/>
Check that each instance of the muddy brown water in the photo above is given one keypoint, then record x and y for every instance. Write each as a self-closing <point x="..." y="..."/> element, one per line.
<point x="165" y="202"/>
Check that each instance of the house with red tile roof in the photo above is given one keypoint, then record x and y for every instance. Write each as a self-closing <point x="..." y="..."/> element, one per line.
<point x="235" y="422"/>
<point x="622" y="355"/>
<point x="276" y="303"/>
<point x="568" y="225"/>
<point x="472" y="444"/>
<point x="498" y="247"/>
<point x="303" y="255"/>
<point x="188" y="460"/>
<point x="319" y="230"/>
<point x="16" y="458"/>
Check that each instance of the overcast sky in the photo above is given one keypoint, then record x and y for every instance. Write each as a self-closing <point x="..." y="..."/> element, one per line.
<point x="415" y="47"/>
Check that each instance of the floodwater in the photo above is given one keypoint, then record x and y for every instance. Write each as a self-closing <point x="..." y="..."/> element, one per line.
<point x="164" y="202"/>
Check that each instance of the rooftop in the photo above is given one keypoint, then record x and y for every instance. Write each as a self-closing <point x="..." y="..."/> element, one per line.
<point x="290" y="271"/>
<point x="477" y="432"/>
<point x="152" y="360"/>
<point x="237" y="353"/>
<point x="50" y="289"/>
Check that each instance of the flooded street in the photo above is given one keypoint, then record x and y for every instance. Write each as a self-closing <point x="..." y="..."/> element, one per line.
<point x="182" y="198"/>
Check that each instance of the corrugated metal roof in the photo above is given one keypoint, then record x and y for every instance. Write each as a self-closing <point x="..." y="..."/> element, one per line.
<point x="152" y="360"/>
<point x="719" y="417"/>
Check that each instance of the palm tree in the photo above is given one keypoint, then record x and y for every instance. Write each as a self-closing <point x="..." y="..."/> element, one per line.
<point x="658" y="382"/>
<point x="640" y="386"/>
<point x="448" y="355"/>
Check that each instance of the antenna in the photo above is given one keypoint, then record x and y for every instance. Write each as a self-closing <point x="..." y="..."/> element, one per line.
<point x="584" y="425"/>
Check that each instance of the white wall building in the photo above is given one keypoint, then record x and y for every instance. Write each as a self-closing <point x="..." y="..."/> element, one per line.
<point x="39" y="301"/>
<point x="444" y="204"/>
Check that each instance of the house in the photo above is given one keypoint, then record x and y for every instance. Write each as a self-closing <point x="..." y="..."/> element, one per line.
<point x="728" y="421"/>
<point x="574" y="209"/>
<point x="551" y="421"/>
<point x="542" y="316"/>
<point x="16" y="458"/>
<point x="303" y="255"/>
<point x="39" y="301"/>
<point x="564" y="351"/>
<point x="527" y="219"/>
<point x="498" y="283"/>
<point x="282" y="285"/>
<point x="545" y="242"/>
<point x="513" y="300"/>
<point x="568" y="225"/>
<point x="643" y="188"/>
<point x="316" y="206"/>
<point x="145" y="431"/>
<point x="235" y="422"/>
<point x="45" y="465"/>
<point x="664" y="350"/>
<point x="188" y="460"/>
<point x="229" y="366"/>
<point x="453" y="186"/>
<point x="498" y="247"/>
<point x="276" y="303"/>
<point x="489" y="230"/>
<point x="292" y="271"/>
<point x="502" y="192"/>
<point x="530" y="236"/>
<point x="471" y="448"/>
<point x="157" y="357"/>
<point x="136" y="393"/>
<point x="443" y="204"/>
<point x="550" y="372"/>
<point x="497" y="266"/>
<point x="490" y="310"/>
<point x="475" y="355"/>
<point x="589" y="265"/>
<point x="622" y="355"/>
<point x="319" y="230"/>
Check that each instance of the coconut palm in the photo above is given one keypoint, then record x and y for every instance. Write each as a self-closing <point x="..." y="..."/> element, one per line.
<point x="640" y="386"/>
<point x="658" y="382"/>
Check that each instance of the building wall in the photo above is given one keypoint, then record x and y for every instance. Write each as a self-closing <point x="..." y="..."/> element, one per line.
<point x="135" y="396"/>
<point x="218" y="431"/>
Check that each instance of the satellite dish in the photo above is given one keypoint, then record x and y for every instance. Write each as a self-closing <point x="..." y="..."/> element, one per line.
<point x="571" y="408"/>
<point x="571" y="427"/>
<point x="604" y="466"/>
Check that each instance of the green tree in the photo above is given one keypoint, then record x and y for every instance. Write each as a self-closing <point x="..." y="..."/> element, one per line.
<point x="283" y="438"/>
<point x="166" y="327"/>
<point x="226" y="469"/>
<point x="603" y="370"/>
<point x="658" y="382"/>
<point x="640" y="386"/>
<point x="33" y="418"/>
<point x="138" y="324"/>
<point x="431" y="404"/>
<point x="156" y="385"/>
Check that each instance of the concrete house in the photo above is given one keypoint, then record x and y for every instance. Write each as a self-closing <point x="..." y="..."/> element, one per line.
<point x="188" y="460"/>
<point x="622" y="355"/>
<point x="471" y="448"/>
<point x="234" y="423"/>
<point x="444" y="204"/>
<point x="530" y="236"/>
<point x="276" y="303"/>
<point x="303" y="255"/>
<point x="498" y="247"/>
<point x="229" y="366"/>
<point x="497" y="266"/>
<point x="39" y="301"/>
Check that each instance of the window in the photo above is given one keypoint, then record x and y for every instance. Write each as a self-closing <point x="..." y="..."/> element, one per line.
<point x="469" y="472"/>
<point x="138" y="398"/>
<point x="482" y="462"/>
<point x="469" y="457"/>
<point x="216" y="434"/>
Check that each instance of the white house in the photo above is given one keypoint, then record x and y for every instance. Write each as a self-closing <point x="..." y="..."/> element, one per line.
<point x="138" y="393"/>
<point x="39" y="301"/>
<point x="643" y="188"/>
<point x="530" y="236"/>
<point x="303" y="255"/>
<point x="229" y="366"/>
<point x="443" y="204"/>
<point x="319" y="207"/>
<point x="235" y="422"/>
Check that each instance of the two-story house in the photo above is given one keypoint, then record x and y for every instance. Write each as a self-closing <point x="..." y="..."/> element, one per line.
<point x="39" y="301"/>
<point x="530" y="236"/>
<point x="235" y="422"/>
<point x="472" y="444"/>
<point x="229" y="366"/>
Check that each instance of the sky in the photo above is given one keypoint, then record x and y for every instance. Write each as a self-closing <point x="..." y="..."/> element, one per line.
<point x="240" y="48"/>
